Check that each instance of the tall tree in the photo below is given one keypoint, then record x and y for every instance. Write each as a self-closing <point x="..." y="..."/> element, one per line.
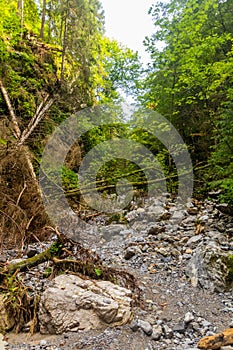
<point x="42" y="28"/>
<point x="190" y="78"/>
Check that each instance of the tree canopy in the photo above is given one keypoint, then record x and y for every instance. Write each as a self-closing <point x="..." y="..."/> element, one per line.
<point x="190" y="79"/>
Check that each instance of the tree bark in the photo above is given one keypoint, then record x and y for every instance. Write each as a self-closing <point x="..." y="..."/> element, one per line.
<point x="43" y="20"/>
<point x="17" y="132"/>
<point x="22" y="137"/>
<point x="20" y="10"/>
<point x="64" y="44"/>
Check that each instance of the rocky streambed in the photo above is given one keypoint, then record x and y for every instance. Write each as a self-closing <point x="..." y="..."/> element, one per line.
<point x="183" y="260"/>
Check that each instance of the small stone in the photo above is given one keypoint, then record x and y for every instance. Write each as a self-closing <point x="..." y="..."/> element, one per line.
<point x="179" y="328"/>
<point x="168" y="332"/>
<point x="134" y="325"/>
<point x="154" y="230"/>
<point x="221" y="228"/>
<point x="187" y="256"/>
<point x="43" y="342"/>
<point x="145" y="326"/>
<point x="188" y="317"/>
<point x="129" y="253"/>
<point x="163" y="251"/>
<point x="31" y="253"/>
<point x="205" y="323"/>
<point x="193" y="240"/>
<point x="225" y="209"/>
<point x="157" y="332"/>
<point x="192" y="211"/>
<point x="195" y="327"/>
<point x="3" y="258"/>
<point x="203" y="219"/>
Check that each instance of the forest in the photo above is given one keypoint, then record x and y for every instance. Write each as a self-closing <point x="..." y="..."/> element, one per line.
<point x="56" y="61"/>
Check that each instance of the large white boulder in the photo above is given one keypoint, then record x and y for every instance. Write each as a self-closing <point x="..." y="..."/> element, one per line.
<point x="72" y="303"/>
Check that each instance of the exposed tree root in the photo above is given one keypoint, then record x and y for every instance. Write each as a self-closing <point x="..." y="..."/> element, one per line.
<point x="67" y="256"/>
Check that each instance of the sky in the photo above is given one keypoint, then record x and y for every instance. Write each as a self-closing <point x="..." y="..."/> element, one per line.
<point x="128" y="22"/>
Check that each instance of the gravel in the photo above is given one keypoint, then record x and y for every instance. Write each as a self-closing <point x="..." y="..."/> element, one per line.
<point x="175" y="315"/>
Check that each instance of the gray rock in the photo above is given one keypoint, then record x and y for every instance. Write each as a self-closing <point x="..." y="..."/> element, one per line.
<point x="168" y="332"/>
<point x="145" y="326"/>
<point x="134" y="325"/>
<point x="72" y="303"/>
<point x="179" y="328"/>
<point x="209" y="268"/>
<point x="108" y="232"/>
<point x="157" y="332"/>
<point x="129" y="253"/>
<point x="155" y="229"/>
<point x="188" y="317"/>
<point x="193" y="240"/>
<point x="225" y="209"/>
<point x="43" y="342"/>
<point x="205" y="323"/>
<point x="178" y="215"/>
<point x="203" y="219"/>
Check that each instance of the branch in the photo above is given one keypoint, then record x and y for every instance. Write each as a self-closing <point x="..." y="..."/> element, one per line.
<point x="17" y="132"/>
<point x="39" y="114"/>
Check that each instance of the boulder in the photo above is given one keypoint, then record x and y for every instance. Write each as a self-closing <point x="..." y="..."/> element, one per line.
<point x="72" y="303"/>
<point x="217" y="341"/>
<point x="211" y="268"/>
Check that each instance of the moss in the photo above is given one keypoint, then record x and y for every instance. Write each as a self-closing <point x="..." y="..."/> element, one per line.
<point x="229" y="263"/>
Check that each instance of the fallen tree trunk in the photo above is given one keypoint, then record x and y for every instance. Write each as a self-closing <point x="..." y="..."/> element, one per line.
<point x="30" y="262"/>
<point x="70" y="256"/>
<point x="66" y="255"/>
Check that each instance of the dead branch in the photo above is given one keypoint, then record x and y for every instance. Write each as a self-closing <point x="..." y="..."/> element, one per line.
<point x="68" y="255"/>
<point x="38" y="116"/>
<point x="21" y="193"/>
<point x="17" y="132"/>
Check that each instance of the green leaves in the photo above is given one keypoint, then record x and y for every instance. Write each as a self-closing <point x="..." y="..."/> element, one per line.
<point x="190" y="78"/>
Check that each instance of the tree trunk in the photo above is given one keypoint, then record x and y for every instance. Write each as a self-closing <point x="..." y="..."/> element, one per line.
<point x="43" y="20"/>
<point x="22" y="137"/>
<point x="20" y="10"/>
<point x="64" y="45"/>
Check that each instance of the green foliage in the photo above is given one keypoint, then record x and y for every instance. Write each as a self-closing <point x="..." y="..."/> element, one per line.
<point x="229" y="263"/>
<point x="98" y="272"/>
<point x="55" y="248"/>
<point x="3" y="142"/>
<point x="122" y="70"/>
<point x="69" y="179"/>
<point x="47" y="272"/>
<point x="190" y="79"/>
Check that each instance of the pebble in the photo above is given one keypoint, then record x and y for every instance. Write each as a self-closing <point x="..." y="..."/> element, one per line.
<point x="170" y="246"/>
<point x="188" y="317"/>
<point x="145" y="326"/>
<point x="157" y="332"/>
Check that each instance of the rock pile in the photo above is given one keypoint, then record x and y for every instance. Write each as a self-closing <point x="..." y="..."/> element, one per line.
<point x="183" y="258"/>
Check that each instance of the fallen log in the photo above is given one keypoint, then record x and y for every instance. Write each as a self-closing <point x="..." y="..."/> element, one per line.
<point x="64" y="255"/>
<point x="217" y="341"/>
